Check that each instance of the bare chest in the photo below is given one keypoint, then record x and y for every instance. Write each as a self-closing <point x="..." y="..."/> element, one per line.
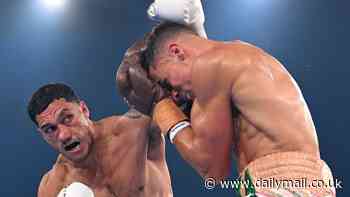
<point x="120" y="173"/>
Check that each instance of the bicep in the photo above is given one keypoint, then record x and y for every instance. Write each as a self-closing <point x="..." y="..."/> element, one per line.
<point x="48" y="187"/>
<point x="213" y="135"/>
<point x="211" y="116"/>
<point x="214" y="124"/>
<point x="53" y="181"/>
<point x="42" y="190"/>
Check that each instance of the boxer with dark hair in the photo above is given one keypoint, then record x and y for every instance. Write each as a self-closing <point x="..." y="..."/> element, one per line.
<point x="115" y="156"/>
<point x="242" y="102"/>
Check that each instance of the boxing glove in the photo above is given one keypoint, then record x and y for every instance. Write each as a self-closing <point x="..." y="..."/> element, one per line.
<point x="139" y="92"/>
<point x="76" y="189"/>
<point x="186" y="12"/>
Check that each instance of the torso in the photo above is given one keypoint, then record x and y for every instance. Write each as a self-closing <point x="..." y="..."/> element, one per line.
<point x="124" y="169"/>
<point x="272" y="115"/>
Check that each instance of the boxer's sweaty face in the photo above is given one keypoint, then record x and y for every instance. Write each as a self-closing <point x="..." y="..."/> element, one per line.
<point x="65" y="126"/>
<point x="176" y="76"/>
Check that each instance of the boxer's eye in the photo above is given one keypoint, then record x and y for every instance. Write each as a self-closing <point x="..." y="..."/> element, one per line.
<point x="67" y="119"/>
<point x="49" y="129"/>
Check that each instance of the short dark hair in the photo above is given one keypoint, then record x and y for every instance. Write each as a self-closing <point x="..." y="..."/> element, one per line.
<point x="45" y="95"/>
<point x="156" y="38"/>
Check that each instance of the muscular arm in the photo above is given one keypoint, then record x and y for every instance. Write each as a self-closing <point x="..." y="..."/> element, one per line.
<point x="227" y="76"/>
<point x="156" y="142"/>
<point x="43" y="190"/>
<point x="267" y="98"/>
<point x="51" y="183"/>
<point x="156" y="146"/>
<point x="207" y="146"/>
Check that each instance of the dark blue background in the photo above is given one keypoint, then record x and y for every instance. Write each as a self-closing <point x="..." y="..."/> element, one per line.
<point x="83" y="44"/>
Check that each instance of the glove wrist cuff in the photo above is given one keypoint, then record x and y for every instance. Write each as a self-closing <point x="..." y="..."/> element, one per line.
<point x="166" y="114"/>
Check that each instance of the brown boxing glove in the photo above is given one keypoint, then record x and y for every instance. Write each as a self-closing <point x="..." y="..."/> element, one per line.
<point x="140" y="92"/>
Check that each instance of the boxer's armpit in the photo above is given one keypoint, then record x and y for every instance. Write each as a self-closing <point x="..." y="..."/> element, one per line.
<point x="156" y="146"/>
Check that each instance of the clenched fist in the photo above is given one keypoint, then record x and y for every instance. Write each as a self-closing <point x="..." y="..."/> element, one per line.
<point x="140" y="92"/>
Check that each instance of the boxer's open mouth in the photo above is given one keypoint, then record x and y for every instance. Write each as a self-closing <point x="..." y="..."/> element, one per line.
<point x="71" y="146"/>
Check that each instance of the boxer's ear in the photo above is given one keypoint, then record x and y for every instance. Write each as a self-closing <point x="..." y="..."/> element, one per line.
<point x="176" y="51"/>
<point x="84" y="109"/>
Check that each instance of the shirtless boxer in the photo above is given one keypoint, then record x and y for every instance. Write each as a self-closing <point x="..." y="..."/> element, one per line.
<point x="225" y="98"/>
<point x="118" y="156"/>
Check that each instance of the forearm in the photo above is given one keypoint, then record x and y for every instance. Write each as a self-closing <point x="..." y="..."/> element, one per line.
<point x="205" y="157"/>
<point x="193" y="145"/>
<point x="197" y="153"/>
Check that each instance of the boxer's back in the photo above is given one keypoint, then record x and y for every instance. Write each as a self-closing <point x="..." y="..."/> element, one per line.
<point x="121" y="163"/>
<point x="272" y="115"/>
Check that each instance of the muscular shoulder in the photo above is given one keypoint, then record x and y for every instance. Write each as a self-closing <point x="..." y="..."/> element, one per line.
<point x="226" y="56"/>
<point x="216" y="69"/>
<point x="238" y="54"/>
<point x="131" y="120"/>
<point x="53" y="181"/>
<point x="206" y="70"/>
